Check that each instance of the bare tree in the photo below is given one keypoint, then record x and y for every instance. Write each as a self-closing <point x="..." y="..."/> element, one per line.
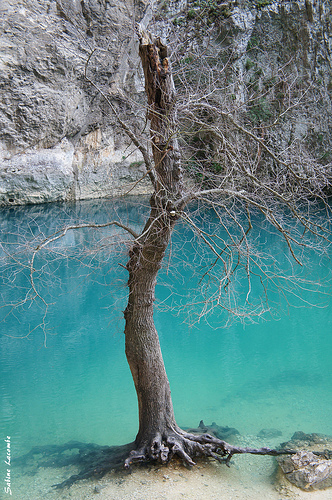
<point x="159" y="437"/>
<point x="224" y="173"/>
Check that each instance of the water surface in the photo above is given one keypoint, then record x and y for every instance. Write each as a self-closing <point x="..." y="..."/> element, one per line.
<point x="65" y="376"/>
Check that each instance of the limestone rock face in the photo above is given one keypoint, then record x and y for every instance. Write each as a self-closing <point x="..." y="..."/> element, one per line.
<point x="38" y="176"/>
<point x="57" y="134"/>
<point x="58" y="139"/>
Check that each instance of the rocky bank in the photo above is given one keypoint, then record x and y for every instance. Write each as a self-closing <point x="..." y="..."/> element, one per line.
<point x="58" y="137"/>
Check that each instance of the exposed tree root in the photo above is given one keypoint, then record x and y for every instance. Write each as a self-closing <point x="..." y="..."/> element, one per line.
<point x="188" y="446"/>
<point x="95" y="461"/>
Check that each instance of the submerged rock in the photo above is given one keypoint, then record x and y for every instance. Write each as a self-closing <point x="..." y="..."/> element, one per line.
<point x="269" y="433"/>
<point x="305" y="469"/>
<point x="220" y="432"/>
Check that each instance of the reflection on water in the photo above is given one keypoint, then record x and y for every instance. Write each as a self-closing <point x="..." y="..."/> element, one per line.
<point x="273" y="374"/>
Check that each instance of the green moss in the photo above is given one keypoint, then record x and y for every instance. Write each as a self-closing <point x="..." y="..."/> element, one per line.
<point x="260" y="112"/>
<point x="326" y="156"/>
<point x="253" y="42"/>
<point x="262" y="3"/>
<point x="270" y="82"/>
<point x="136" y="164"/>
<point x="188" y="59"/>
<point x="194" y="169"/>
<point x="212" y="10"/>
<point x="280" y="95"/>
<point x="178" y="21"/>
<point x="320" y="138"/>
<point x="216" y="167"/>
<point x="249" y="64"/>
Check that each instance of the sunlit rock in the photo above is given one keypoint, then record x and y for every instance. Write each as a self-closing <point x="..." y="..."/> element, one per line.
<point x="305" y="469"/>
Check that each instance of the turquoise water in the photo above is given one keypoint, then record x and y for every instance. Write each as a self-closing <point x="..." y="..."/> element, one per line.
<point x="68" y="378"/>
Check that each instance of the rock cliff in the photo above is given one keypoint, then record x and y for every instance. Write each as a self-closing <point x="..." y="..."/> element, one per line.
<point x="58" y="137"/>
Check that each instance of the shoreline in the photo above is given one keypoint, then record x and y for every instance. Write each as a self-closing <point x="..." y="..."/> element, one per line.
<point x="249" y="478"/>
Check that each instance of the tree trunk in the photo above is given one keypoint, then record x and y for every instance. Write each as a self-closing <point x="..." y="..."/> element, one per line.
<point x="159" y="437"/>
<point x="156" y="416"/>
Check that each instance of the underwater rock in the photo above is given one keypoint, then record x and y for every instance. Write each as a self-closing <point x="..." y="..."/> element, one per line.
<point x="269" y="433"/>
<point x="98" y="488"/>
<point x="298" y="378"/>
<point x="300" y="438"/>
<point x="306" y="469"/>
<point x="223" y="433"/>
<point x="220" y="432"/>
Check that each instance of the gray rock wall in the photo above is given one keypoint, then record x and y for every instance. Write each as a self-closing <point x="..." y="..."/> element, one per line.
<point x="261" y="42"/>
<point x="58" y="138"/>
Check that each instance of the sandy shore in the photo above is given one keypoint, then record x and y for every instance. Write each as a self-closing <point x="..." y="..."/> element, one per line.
<point x="249" y="478"/>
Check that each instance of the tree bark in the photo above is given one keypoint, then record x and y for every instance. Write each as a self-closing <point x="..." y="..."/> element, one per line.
<point x="156" y="416"/>
<point x="143" y="352"/>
